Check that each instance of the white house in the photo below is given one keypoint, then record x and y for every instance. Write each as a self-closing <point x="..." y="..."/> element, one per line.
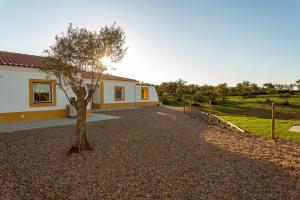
<point x="28" y="94"/>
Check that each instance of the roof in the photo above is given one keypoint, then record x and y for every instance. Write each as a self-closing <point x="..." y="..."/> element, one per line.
<point x="20" y="60"/>
<point x="25" y="60"/>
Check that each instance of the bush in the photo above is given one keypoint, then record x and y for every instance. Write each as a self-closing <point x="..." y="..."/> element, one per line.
<point x="268" y="100"/>
<point x="164" y="100"/>
<point x="214" y="102"/>
<point x="285" y="102"/>
<point x="284" y="98"/>
<point x="198" y="97"/>
<point x="195" y="104"/>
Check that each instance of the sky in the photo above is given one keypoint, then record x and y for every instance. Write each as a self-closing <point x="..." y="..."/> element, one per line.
<point x="202" y="42"/>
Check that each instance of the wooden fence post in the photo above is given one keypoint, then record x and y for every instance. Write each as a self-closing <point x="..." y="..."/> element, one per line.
<point x="273" y="120"/>
<point x="209" y="113"/>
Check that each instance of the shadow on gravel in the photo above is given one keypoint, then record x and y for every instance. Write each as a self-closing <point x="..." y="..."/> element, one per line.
<point x="143" y="155"/>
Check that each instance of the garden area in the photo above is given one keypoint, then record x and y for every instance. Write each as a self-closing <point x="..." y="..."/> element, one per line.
<point x="249" y="111"/>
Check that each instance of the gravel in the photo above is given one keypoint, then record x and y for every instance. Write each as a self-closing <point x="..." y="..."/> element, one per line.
<point x="150" y="153"/>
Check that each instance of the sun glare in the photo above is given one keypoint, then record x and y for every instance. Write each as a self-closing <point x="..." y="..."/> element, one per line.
<point x="106" y="61"/>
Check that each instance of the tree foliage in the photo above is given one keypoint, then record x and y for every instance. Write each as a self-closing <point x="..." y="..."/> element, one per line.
<point x="222" y="90"/>
<point x="202" y="93"/>
<point x="297" y="84"/>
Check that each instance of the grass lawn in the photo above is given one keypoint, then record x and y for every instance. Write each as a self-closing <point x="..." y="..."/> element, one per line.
<point x="254" y="114"/>
<point x="262" y="127"/>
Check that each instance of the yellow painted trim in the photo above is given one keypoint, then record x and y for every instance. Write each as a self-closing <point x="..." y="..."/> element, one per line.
<point x="31" y="115"/>
<point x="88" y="112"/>
<point x="126" y="105"/>
<point x="34" y="115"/>
<point x="102" y="93"/>
<point x="146" y="104"/>
<point x="53" y="84"/>
<point x="96" y="105"/>
<point x="146" y="89"/>
<point x="123" y="97"/>
<point x="117" y="105"/>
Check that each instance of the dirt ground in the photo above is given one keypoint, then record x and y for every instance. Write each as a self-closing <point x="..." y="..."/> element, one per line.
<point x="150" y="153"/>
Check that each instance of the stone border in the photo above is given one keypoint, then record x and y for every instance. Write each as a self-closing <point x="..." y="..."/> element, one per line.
<point x="226" y="122"/>
<point x="181" y="109"/>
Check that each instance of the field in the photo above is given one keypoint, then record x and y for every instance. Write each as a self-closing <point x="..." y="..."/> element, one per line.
<point x="254" y="114"/>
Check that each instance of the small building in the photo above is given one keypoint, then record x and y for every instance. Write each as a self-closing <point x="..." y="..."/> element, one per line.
<point x="28" y="94"/>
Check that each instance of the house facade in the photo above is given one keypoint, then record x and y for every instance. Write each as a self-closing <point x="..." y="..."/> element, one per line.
<point x="27" y="94"/>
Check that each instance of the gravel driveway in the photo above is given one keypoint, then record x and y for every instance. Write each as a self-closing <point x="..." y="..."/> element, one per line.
<point x="150" y="153"/>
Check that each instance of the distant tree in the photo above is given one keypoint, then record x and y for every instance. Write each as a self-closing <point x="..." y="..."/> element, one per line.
<point x="208" y="92"/>
<point x="254" y="89"/>
<point x="180" y="88"/>
<point x="270" y="88"/>
<point x="222" y="90"/>
<point x="192" y="89"/>
<point x="75" y="59"/>
<point x="279" y="88"/>
<point x="198" y="97"/>
<point x="232" y="91"/>
<point x="167" y="88"/>
<point x="297" y="84"/>
<point x="244" y="88"/>
<point x="290" y="88"/>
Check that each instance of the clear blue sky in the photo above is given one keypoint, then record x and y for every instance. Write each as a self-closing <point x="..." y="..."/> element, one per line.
<point x="202" y="42"/>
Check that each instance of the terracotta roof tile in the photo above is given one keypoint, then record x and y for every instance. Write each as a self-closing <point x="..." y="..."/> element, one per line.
<point x="25" y="60"/>
<point x="17" y="59"/>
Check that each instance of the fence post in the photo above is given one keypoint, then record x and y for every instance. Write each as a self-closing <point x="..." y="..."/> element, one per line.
<point x="273" y="120"/>
<point x="209" y="113"/>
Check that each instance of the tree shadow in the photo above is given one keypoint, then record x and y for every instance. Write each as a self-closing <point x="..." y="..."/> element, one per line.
<point x="238" y="176"/>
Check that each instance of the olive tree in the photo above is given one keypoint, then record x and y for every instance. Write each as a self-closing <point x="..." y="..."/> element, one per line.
<point x="222" y="90"/>
<point x="75" y="60"/>
<point x="297" y="84"/>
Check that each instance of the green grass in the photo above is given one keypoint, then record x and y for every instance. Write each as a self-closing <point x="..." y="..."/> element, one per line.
<point x="262" y="127"/>
<point x="173" y="101"/>
<point x="254" y="114"/>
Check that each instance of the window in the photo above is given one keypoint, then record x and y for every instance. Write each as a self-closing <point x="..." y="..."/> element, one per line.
<point x="144" y="93"/>
<point x="42" y="92"/>
<point x="119" y="93"/>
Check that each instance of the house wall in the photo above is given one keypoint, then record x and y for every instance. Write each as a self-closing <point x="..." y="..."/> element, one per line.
<point x="132" y="95"/>
<point x="152" y="94"/>
<point x="96" y="96"/>
<point x="109" y="91"/>
<point x="15" y="105"/>
<point x="14" y="101"/>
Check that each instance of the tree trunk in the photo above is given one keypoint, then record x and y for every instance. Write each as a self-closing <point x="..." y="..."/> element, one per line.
<point x="81" y="143"/>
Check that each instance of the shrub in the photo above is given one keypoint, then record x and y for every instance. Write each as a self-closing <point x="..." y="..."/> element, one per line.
<point x="268" y="100"/>
<point x="195" y="104"/>
<point x="285" y="102"/>
<point x="164" y="100"/>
